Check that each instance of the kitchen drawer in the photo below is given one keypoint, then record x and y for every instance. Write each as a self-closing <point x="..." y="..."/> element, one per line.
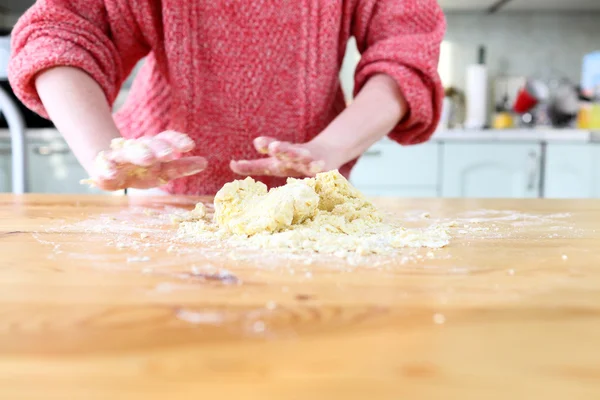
<point x="53" y="168"/>
<point x="389" y="164"/>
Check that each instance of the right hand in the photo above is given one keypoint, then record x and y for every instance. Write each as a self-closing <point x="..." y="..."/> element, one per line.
<point x="145" y="163"/>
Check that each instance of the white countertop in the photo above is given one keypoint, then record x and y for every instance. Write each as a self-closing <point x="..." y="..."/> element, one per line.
<point x="512" y="135"/>
<point x="518" y="135"/>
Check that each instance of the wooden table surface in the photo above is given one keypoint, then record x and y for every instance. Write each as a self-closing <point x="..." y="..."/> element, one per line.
<point x="97" y="302"/>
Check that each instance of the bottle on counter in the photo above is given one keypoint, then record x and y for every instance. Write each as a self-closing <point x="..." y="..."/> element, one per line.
<point x="595" y="110"/>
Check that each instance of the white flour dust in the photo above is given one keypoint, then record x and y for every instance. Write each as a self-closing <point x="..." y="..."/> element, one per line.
<point x="144" y="236"/>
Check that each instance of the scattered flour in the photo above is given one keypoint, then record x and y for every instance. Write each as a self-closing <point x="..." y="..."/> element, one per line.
<point x="324" y="215"/>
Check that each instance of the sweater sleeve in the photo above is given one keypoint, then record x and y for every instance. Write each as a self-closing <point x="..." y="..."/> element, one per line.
<point x="402" y="38"/>
<point x="87" y="34"/>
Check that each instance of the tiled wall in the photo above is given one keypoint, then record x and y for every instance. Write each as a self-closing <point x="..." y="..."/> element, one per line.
<point x="520" y="44"/>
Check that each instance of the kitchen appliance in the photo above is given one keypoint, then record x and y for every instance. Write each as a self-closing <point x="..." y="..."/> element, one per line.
<point x="590" y="74"/>
<point x="15" y="122"/>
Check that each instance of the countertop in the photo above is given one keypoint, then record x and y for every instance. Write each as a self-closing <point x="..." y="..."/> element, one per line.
<point x="97" y="302"/>
<point x="509" y="135"/>
<point x="519" y="135"/>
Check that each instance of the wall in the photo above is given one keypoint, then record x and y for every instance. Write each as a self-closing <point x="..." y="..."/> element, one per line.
<point x="521" y="44"/>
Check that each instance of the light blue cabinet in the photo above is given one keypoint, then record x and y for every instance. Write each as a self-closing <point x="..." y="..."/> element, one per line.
<point x="491" y="170"/>
<point x="5" y="167"/>
<point x="572" y="171"/>
<point x="388" y="169"/>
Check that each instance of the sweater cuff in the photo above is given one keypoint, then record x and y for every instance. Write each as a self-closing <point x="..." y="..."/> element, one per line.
<point x="423" y="96"/>
<point x="48" y="52"/>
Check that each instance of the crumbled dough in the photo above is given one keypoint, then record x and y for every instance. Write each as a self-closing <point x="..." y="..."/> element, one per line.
<point x="323" y="215"/>
<point x="199" y="211"/>
<point x="247" y="208"/>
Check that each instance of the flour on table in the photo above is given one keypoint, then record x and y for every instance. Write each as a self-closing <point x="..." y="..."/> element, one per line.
<point x="323" y="215"/>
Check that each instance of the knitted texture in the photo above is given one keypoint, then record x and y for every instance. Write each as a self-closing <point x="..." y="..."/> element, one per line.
<point x="227" y="71"/>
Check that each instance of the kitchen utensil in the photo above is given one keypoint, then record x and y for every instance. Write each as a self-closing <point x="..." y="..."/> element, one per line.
<point x="530" y="95"/>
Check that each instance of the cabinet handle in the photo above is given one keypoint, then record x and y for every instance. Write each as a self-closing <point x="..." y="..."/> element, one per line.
<point x="49" y="151"/>
<point x="533" y="171"/>
<point x="372" y="153"/>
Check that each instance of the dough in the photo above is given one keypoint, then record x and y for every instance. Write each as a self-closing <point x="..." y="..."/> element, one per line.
<point x="324" y="214"/>
<point x="246" y="208"/>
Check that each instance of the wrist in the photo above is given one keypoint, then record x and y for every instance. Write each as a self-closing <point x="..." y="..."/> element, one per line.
<point x="334" y="153"/>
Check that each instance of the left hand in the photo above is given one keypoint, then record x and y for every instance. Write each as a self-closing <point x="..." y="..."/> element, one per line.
<point x="286" y="159"/>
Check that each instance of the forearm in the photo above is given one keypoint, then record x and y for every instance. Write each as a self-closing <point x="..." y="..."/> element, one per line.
<point x="374" y="113"/>
<point x="79" y="109"/>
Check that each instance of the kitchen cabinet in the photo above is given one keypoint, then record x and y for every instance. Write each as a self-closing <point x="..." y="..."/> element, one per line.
<point x="5" y="167"/>
<point x="53" y="168"/>
<point x="521" y="5"/>
<point x="551" y="5"/>
<point x="388" y="169"/>
<point x="466" y="5"/>
<point x="492" y="170"/>
<point x="572" y="171"/>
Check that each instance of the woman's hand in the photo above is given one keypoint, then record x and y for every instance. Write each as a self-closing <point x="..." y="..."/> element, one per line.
<point x="286" y="159"/>
<point x="146" y="162"/>
<point x="375" y="111"/>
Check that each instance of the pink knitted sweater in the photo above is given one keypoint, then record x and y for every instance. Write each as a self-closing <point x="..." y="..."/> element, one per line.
<point x="227" y="71"/>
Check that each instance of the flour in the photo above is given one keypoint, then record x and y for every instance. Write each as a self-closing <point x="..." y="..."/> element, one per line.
<point x="324" y="215"/>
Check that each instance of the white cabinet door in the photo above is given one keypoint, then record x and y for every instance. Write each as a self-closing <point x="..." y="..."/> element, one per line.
<point x="54" y="169"/>
<point x="5" y="167"/>
<point x="494" y="170"/>
<point x="572" y="171"/>
<point x="388" y="169"/>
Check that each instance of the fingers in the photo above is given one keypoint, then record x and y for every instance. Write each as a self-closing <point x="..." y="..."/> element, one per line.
<point x="146" y="151"/>
<point x="136" y="152"/>
<point x="155" y="176"/>
<point x="180" y="142"/>
<point x="163" y="151"/>
<point x="286" y="159"/>
<point x="266" y="167"/>
<point x="286" y="151"/>
<point x="187" y="166"/>
<point x="261" y="144"/>
<point x="316" y="167"/>
<point x="104" y="167"/>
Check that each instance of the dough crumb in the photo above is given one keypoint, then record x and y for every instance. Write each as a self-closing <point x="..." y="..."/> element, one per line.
<point x="325" y="215"/>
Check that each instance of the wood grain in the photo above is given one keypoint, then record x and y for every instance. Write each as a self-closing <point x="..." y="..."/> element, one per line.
<point x="97" y="302"/>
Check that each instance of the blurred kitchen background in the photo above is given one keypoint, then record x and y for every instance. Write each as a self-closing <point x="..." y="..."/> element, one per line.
<point x="521" y="115"/>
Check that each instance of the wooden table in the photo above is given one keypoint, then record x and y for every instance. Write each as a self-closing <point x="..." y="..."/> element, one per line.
<point x="97" y="303"/>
